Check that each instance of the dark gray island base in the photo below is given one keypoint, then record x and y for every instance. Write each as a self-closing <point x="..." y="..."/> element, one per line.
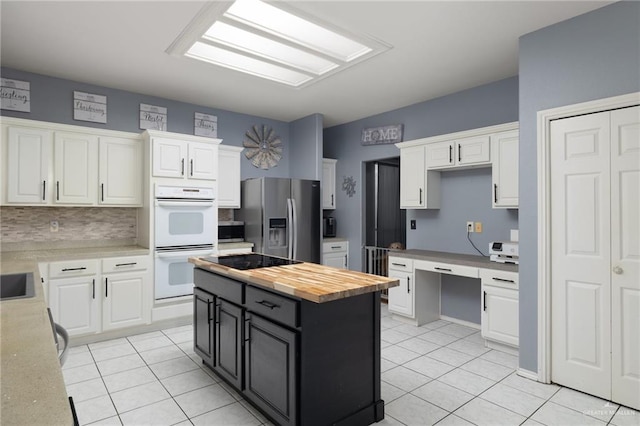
<point x="297" y="361"/>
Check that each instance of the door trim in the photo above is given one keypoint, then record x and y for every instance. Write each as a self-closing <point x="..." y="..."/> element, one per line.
<point x="544" y="119"/>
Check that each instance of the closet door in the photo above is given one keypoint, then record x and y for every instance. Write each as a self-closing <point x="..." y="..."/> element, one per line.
<point x="581" y="254"/>
<point x="625" y="256"/>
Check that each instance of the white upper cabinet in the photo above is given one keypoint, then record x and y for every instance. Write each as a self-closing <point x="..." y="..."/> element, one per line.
<point x="440" y="155"/>
<point x="75" y="168"/>
<point x="329" y="183"/>
<point x="120" y="171"/>
<point x="168" y="157"/>
<point x="174" y="156"/>
<point x="203" y="161"/>
<point x="504" y="148"/>
<point x="229" y="176"/>
<point x="28" y="154"/>
<point x="472" y="151"/>
<point x="419" y="189"/>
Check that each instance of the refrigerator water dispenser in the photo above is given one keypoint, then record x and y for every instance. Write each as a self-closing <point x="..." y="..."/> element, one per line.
<point x="277" y="232"/>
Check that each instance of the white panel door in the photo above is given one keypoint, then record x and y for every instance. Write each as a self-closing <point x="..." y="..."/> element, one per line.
<point x="474" y="150"/>
<point x="120" y="171"/>
<point x="203" y="161"/>
<point x="75" y="304"/>
<point x="28" y="165"/>
<point x="625" y="256"/>
<point x="580" y="243"/>
<point x="124" y="300"/>
<point x="169" y="157"/>
<point x="401" y="298"/>
<point x="440" y="154"/>
<point x="504" y="170"/>
<point x="75" y="168"/>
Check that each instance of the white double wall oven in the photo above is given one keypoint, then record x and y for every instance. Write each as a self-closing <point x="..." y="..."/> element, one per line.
<point x="185" y="226"/>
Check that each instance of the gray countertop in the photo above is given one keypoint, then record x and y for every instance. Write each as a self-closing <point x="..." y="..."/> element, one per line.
<point x="454" y="259"/>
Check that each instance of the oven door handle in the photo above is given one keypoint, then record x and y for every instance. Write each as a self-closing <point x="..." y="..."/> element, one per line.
<point x="169" y="255"/>
<point x="207" y="203"/>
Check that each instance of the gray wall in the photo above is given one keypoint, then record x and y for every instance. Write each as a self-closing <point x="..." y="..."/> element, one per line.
<point x="466" y="195"/>
<point x="51" y="100"/>
<point x="306" y="147"/>
<point x="592" y="56"/>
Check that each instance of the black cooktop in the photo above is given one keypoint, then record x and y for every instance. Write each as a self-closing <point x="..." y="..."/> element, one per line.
<point x="249" y="261"/>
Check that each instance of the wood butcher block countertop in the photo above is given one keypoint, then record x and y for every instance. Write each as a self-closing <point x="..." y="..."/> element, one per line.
<point x="309" y="281"/>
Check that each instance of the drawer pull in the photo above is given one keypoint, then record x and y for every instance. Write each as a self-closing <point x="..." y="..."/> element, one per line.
<point x="399" y="264"/>
<point x="336" y="247"/>
<point x="442" y="269"/>
<point x="126" y="264"/>
<point x="503" y="280"/>
<point x="268" y="304"/>
<point x="74" y="269"/>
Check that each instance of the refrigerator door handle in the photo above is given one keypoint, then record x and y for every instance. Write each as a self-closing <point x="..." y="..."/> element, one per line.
<point x="295" y="229"/>
<point x="290" y="228"/>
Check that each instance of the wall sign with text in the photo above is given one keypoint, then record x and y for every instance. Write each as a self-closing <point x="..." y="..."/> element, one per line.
<point x="89" y="107"/>
<point x="382" y="135"/>
<point x="15" y="94"/>
<point x="205" y="125"/>
<point x="153" y="117"/>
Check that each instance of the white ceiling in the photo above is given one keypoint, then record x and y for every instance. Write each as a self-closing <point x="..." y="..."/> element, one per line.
<point x="438" y="48"/>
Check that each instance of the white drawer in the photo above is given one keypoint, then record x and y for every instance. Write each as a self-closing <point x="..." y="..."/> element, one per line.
<point x="447" y="268"/>
<point x="125" y="264"/>
<point x="400" y="264"/>
<point x="498" y="278"/>
<point x="73" y="268"/>
<point x="330" y="247"/>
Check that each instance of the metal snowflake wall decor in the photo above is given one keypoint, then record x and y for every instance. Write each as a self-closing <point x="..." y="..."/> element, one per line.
<point x="349" y="185"/>
<point x="264" y="147"/>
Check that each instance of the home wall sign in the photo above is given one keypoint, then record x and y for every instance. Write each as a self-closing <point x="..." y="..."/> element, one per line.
<point x="89" y="107"/>
<point x="205" y="125"/>
<point x="382" y="135"/>
<point x="153" y="117"/>
<point x="15" y="94"/>
<point x="264" y="147"/>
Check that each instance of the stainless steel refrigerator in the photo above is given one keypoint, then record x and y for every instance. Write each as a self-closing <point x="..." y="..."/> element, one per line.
<point x="282" y="217"/>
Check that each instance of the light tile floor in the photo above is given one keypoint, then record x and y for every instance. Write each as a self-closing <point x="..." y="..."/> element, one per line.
<point x="440" y="373"/>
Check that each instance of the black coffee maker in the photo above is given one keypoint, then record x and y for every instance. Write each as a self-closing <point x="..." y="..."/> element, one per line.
<point x="329" y="227"/>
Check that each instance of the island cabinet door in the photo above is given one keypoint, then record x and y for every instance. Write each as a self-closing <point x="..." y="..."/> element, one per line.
<point x="228" y="338"/>
<point x="270" y="368"/>
<point x="203" y="325"/>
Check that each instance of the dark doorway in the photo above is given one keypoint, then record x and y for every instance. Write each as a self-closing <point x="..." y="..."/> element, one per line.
<point x="385" y="221"/>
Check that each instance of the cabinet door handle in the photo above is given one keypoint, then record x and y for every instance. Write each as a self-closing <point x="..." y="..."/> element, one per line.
<point x="57" y="190"/>
<point x="460" y="153"/>
<point x="450" y="154"/>
<point x="182" y="168"/>
<point x="217" y="313"/>
<point x="209" y="318"/>
<point x="268" y="304"/>
<point x="443" y="269"/>
<point x="74" y="269"/>
<point x="398" y="264"/>
<point x="484" y="301"/>
<point x="93" y="284"/>
<point x="247" y="328"/>
<point x="126" y="264"/>
<point x="44" y="190"/>
<point x="503" y="280"/>
<point x="346" y="260"/>
<point x="102" y="192"/>
<point x="331" y="200"/>
<point x="420" y="196"/>
<point x="408" y="285"/>
<point x="495" y="192"/>
<point x="106" y="287"/>
<point x="191" y="167"/>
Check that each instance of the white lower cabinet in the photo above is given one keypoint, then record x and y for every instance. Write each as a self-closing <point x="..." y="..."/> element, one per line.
<point x="401" y="300"/>
<point x="85" y="298"/>
<point x="336" y="254"/>
<point x="500" y="306"/>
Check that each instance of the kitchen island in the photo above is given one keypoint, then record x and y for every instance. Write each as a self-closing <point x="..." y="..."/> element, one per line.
<point x="301" y="342"/>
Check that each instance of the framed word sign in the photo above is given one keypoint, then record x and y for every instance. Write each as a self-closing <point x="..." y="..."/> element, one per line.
<point x="88" y="107"/>
<point x="382" y="135"/>
<point x="205" y="125"/>
<point x="153" y="117"/>
<point x="16" y="95"/>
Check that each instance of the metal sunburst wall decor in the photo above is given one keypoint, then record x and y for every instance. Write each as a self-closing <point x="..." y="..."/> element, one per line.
<point x="264" y="147"/>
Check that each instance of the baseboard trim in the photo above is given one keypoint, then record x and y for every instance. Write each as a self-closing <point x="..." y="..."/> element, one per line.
<point x="527" y="374"/>
<point x="460" y="322"/>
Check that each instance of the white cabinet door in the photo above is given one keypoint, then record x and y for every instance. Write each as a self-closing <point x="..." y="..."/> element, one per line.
<point x="203" y="161"/>
<point x="125" y="303"/>
<point x="500" y="314"/>
<point x="473" y="150"/>
<point x="412" y="177"/>
<point x="120" y="171"/>
<point x="504" y="147"/>
<point x="169" y="157"/>
<point x="328" y="183"/>
<point x="337" y="260"/>
<point x="440" y="154"/>
<point x="75" y="168"/>
<point x="28" y="165"/>
<point x="229" y="177"/>
<point x="75" y="304"/>
<point x="401" y="298"/>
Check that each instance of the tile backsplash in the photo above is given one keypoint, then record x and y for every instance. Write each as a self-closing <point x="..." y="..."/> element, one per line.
<point x="81" y="225"/>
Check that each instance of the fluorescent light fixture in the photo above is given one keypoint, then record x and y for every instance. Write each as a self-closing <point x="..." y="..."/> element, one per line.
<point x="272" y="41"/>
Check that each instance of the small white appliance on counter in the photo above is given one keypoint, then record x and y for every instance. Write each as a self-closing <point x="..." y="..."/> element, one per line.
<point x="504" y="252"/>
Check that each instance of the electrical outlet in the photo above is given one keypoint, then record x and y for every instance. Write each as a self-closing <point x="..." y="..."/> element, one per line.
<point x="469" y="226"/>
<point x="53" y="226"/>
<point x="478" y="227"/>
